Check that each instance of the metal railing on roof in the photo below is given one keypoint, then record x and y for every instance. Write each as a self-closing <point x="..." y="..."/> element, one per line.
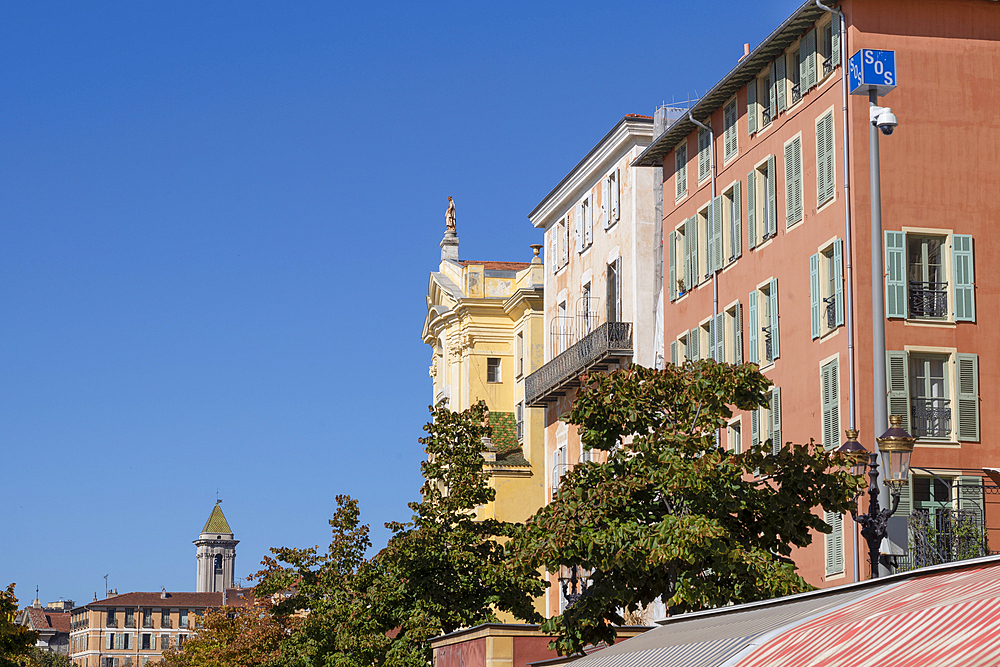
<point x="611" y="340"/>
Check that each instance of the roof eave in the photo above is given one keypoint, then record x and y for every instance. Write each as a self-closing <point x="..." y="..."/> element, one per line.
<point x="747" y="68"/>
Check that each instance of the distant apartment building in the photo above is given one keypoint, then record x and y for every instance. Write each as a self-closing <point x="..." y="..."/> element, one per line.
<point x="133" y="629"/>
<point x="51" y="622"/>
<point x="484" y="328"/>
<point x="767" y="252"/>
<point x="600" y="298"/>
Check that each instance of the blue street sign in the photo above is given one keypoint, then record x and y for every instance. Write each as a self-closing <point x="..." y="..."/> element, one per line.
<point x="871" y="68"/>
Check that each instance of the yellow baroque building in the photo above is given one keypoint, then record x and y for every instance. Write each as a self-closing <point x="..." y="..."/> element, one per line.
<point x="484" y="324"/>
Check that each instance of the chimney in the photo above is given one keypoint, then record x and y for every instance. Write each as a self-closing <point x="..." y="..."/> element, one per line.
<point x="746" y="52"/>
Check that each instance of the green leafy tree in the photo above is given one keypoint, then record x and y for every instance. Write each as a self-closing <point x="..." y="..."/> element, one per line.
<point x="42" y="658"/>
<point x="234" y="637"/>
<point x="16" y="641"/>
<point x="320" y="589"/>
<point x="446" y="569"/>
<point x="670" y="514"/>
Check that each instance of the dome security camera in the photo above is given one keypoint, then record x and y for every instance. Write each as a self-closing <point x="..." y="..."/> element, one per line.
<point x="884" y="119"/>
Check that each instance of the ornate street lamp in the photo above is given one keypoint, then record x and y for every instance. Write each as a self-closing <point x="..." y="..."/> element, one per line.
<point x="574" y="586"/>
<point x="895" y="445"/>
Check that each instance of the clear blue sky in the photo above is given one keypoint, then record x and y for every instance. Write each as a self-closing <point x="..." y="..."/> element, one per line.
<point x="216" y="225"/>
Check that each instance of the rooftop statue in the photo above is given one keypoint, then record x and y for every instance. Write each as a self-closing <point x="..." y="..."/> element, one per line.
<point x="449" y="217"/>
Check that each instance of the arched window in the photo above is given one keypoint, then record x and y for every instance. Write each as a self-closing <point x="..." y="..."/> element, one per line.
<point x="218" y="561"/>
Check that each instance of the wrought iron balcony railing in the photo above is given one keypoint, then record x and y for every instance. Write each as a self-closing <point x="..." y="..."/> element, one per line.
<point x="827" y="65"/>
<point x="607" y="343"/>
<point x="928" y="299"/>
<point x="831" y="312"/>
<point x="768" y="349"/>
<point x="796" y="93"/>
<point x="765" y="117"/>
<point x="943" y="536"/>
<point x="930" y="417"/>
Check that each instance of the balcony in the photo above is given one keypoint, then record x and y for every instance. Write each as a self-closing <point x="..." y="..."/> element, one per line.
<point x="930" y="417"/>
<point x="941" y="536"/>
<point x="597" y="348"/>
<point x="928" y="299"/>
<point x="831" y="312"/>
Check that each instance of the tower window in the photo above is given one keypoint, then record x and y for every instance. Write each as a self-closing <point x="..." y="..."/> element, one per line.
<point x="218" y="561"/>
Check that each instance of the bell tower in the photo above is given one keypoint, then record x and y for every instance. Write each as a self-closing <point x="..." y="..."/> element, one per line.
<point x="216" y="554"/>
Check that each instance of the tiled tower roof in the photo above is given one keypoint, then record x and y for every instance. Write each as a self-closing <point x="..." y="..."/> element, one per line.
<point x="217" y="522"/>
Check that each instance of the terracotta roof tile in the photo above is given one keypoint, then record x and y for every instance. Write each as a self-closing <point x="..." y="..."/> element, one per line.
<point x="154" y="600"/>
<point x="497" y="266"/>
<point x="46" y="620"/>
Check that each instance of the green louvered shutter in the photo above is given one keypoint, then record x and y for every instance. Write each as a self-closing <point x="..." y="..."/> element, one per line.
<point x="711" y="338"/>
<point x="737" y="232"/>
<point x="779" y="75"/>
<point x="152" y="642"/>
<point x="111" y="641"/>
<point x="579" y="227"/>
<point x="970" y="495"/>
<point x="838" y="281"/>
<point x="673" y="352"/>
<point x="719" y="260"/>
<point x="967" y="373"/>
<point x="751" y="206"/>
<point x="826" y="181"/>
<point x="704" y="159"/>
<point x="752" y="106"/>
<point x="672" y="255"/>
<point x="772" y="197"/>
<point x="710" y="239"/>
<point x="835" y="543"/>
<point x="965" y="290"/>
<point x="752" y="328"/>
<point x="830" y="398"/>
<point x="814" y="320"/>
<point x="775" y="420"/>
<point x="695" y="275"/>
<point x="688" y="245"/>
<point x="606" y="202"/>
<point x="754" y="428"/>
<point x="807" y="66"/>
<point x="793" y="181"/>
<point x="772" y="93"/>
<point x="693" y="344"/>
<point x="738" y="334"/>
<point x="898" y="385"/>
<point x="773" y="299"/>
<point x="895" y="274"/>
<point x="835" y="41"/>
<point x="720" y="337"/>
<point x="680" y="169"/>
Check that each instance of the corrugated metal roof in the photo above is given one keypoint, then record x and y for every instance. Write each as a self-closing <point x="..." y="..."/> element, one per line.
<point x="947" y="618"/>
<point x="706" y="639"/>
<point x="748" y="68"/>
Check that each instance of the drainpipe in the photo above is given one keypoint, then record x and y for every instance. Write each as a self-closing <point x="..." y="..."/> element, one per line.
<point x="848" y="248"/>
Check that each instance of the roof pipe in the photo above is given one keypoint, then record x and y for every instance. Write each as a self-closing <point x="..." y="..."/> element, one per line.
<point x="848" y="248"/>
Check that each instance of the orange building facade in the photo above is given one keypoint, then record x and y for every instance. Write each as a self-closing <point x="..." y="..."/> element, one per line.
<point x="767" y="255"/>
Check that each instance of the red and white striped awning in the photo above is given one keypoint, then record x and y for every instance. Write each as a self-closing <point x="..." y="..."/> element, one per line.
<point x="940" y="619"/>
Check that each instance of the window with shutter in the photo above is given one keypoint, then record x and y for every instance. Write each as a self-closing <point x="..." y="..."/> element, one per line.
<point x="720" y="338"/>
<point x="835" y="543"/>
<point x="738" y="334"/>
<point x="752" y="328"/>
<point x="717" y="250"/>
<point x="772" y="91"/>
<point x="770" y="182"/>
<point x="588" y="207"/>
<point x="814" y="323"/>
<point x="895" y="277"/>
<point x="964" y="278"/>
<point x="776" y="441"/>
<point x="830" y="398"/>
<point x="780" y="83"/>
<point x="838" y="282"/>
<point x="672" y="262"/>
<point x="692" y="345"/>
<point x="793" y="182"/>
<point x="735" y="223"/>
<point x="835" y="42"/>
<point x="606" y="202"/>
<point x="673" y="352"/>
<point x="708" y="333"/>
<point x="616" y="189"/>
<point x="704" y="157"/>
<point x="680" y="171"/>
<point x="579" y="227"/>
<point x="930" y="407"/>
<point x="807" y="66"/>
<point x="774" y="322"/>
<point x="754" y="429"/>
<point x="731" y="138"/>
<point x="897" y="379"/>
<point x="967" y="378"/>
<point x="752" y="209"/>
<point x="751" y="107"/>
<point x="826" y="180"/>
